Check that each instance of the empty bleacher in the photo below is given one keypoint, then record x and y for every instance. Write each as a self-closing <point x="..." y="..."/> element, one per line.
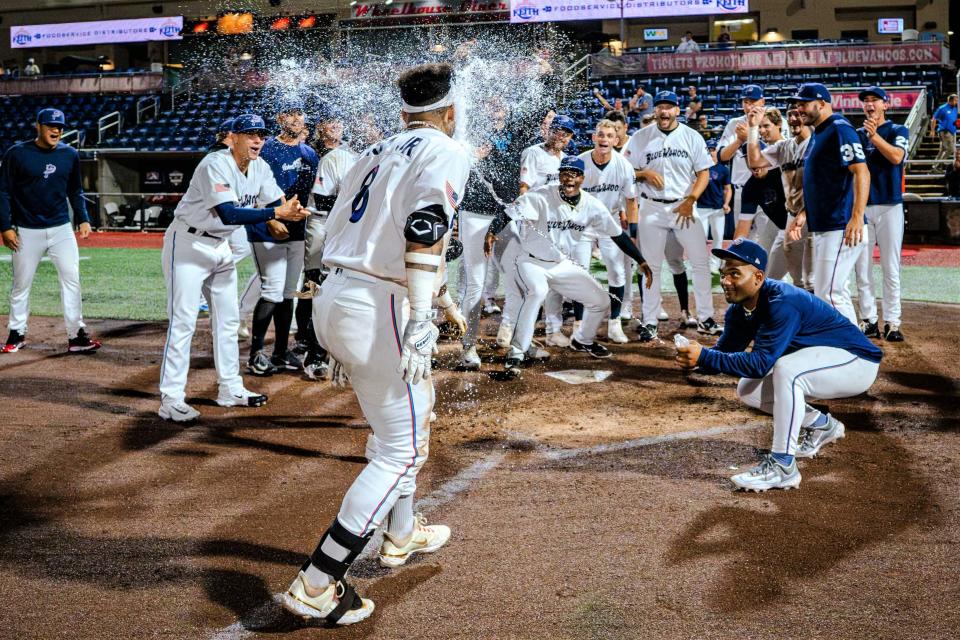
<point x="18" y="113"/>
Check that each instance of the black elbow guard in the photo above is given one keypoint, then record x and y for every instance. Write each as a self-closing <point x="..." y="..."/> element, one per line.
<point x="426" y="226"/>
<point x="454" y="250"/>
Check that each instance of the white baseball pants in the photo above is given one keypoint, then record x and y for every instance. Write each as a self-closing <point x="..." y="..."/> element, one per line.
<point x="279" y="265"/>
<point x="815" y="372"/>
<point x="713" y="222"/>
<point x="567" y="280"/>
<point x="360" y="321"/>
<point x="61" y="245"/>
<point x="506" y="250"/>
<point x="886" y="230"/>
<point x="193" y="264"/>
<point x="833" y="261"/>
<point x="581" y="252"/>
<point x="476" y="266"/>
<point x="657" y="220"/>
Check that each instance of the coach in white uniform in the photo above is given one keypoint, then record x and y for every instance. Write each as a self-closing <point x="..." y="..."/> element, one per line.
<point x="608" y="176"/>
<point x="384" y="246"/>
<point x="229" y="188"/>
<point x="673" y="167"/>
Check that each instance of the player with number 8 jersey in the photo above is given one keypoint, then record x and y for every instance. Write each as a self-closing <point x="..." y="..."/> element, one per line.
<point x="386" y="237"/>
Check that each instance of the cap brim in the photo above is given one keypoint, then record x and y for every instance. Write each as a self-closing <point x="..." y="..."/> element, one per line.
<point x="573" y="169"/>
<point x="670" y="102"/>
<point x="263" y="132"/>
<point x="723" y="254"/>
<point x="802" y="99"/>
<point x="864" y="94"/>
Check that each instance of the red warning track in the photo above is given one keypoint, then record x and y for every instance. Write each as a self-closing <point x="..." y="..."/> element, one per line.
<point x="123" y="240"/>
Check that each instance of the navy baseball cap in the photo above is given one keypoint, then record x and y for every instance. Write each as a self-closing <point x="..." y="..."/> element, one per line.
<point x="810" y="91"/>
<point x="745" y="251"/>
<point x="249" y="123"/>
<point x="666" y="96"/>
<point x="711" y="143"/>
<point x="572" y="163"/>
<point x="51" y="116"/>
<point x="564" y="122"/>
<point x="751" y="92"/>
<point x="226" y="126"/>
<point x="290" y="106"/>
<point x="873" y="91"/>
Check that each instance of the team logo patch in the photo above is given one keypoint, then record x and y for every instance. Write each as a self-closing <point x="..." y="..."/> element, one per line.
<point x="49" y="170"/>
<point x="221" y="187"/>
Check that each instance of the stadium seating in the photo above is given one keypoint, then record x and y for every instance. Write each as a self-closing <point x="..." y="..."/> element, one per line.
<point x="18" y="113"/>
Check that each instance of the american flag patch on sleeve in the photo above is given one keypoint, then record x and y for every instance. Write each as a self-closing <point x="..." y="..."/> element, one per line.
<point x="452" y="196"/>
<point x="221" y="187"/>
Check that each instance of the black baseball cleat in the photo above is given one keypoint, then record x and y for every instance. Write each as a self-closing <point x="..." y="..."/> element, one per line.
<point x="870" y="329"/>
<point x="647" y="333"/>
<point x="891" y="333"/>
<point x="709" y="327"/>
<point x="82" y="343"/>
<point x="511" y="368"/>
<point x="287" y="362"/>
<point x="596" y="349"/>
<point x="260" y="365"/>
<point x="14" y="343"/>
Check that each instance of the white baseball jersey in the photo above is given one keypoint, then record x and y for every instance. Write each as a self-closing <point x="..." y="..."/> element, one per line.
<point x="548" y="222"/>
<point x="332" y="170"/>
<point x="677" y="155"/>
<point x="613" y="184"/>
<point x="392" y="179"/>
<point x="539" y="167"/>
<point x="739" y="171"/>
<point x="788" y="155"/>
<point x="218" y="180"/>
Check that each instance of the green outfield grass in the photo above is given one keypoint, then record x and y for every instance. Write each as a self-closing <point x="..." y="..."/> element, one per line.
<point x="128" y="284"/>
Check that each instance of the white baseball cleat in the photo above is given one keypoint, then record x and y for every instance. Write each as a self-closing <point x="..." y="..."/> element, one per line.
<point x="177" y="410"/>
<point x="662" y="315"/>
<point x="769" y="474"/>
<point x="469" y="360"/>
<point x="424" y="539"/>
<point x="326" y="605"/>
<point x="536" y="353"/>
<point x="558" y="339"/>
<point x="504" y="335"/>
<point x="615" y="332"/>
<point x="240" y="398"/>
<point x="815" y="438"/>
<point x="491" y="308"/>
<point x="243" y="332"/>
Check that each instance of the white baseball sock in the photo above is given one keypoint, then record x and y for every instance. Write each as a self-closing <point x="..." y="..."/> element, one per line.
<point x="400" y="521"/>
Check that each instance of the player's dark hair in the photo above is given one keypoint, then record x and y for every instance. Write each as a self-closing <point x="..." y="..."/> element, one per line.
<point x="425" y="83"/>
<point x="616" y="115"/>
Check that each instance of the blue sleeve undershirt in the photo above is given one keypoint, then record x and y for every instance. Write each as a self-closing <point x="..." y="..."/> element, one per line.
<point x="230" y="213"/>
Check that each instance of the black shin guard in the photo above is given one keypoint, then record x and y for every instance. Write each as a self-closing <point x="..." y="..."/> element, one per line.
<point x="616" y="301"/>
<point x="337" y="550"/>
<point x="683" y="295"/>
<point x="282" y="318"/>
<point x="578" y="311"/>
<point x="303" y="314"/>
<point x="262" y="314"/>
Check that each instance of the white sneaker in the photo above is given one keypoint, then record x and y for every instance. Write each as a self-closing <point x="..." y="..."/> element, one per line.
<point x="240" y="398"/>
<point x="424" y="539"/>
<point x="177" y="410"/>
<point x="769" y="474"/>
<point x="615" y="332"/>
<point x="299" y="603"/>
<point x="537" y="353"/>
<point x="662" y="315"/>
<point x="490" y="309"/>
<point x="469" y="360"/>
<point x="504" y="335"/>
<point x="558" y="339"/>
<point x="244" y="331"/>
<point x="814" y="438"/>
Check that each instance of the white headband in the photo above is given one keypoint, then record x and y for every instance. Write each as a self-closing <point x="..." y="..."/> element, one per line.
<point x="445" y="101"/>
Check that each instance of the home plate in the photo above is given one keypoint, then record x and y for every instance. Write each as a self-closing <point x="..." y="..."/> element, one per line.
<point x="580" y="376"/>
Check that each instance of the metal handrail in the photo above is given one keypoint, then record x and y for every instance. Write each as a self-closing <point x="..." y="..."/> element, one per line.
<point x="107" y="122"/>
<point x="146" y="104"/>
<point x="74" y="138"/>
<point x="916" y="120"/>
<point x="184" y="86"/>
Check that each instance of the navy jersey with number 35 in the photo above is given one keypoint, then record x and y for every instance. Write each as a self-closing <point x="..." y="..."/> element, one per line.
<point x="827" y="180"/>
<point x="886" y="178"/>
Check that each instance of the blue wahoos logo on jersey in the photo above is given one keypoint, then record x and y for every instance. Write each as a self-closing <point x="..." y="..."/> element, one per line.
<point x="526" y="11"/>
<point x="293" y="166"/>
<point x="601" y="188"/>
<point x="565" y="225"/>
<point x="248" y="200"/>
<point x="49" y="170"/>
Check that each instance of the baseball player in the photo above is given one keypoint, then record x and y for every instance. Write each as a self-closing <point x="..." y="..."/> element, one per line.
<point x="801" y="348"/>
<point x="732" y="140"/>
<point x="229" y="188"/>
<point x="714" y="202"/>
<point x="672" y="165"/>
<point x="764" y="190"/>
<point x="384" y="247"/>
<point x="885" y="145"/>
<point x="835" y="169"/>
<point x="337" y="159"/>
<point x="608" y="177"/>
<point x="789" y="250"/>
<point x="278" y="249"/>
<point x="550" y="219"/>
<point x="222" y="140"/>
<point x="39" y="185"/>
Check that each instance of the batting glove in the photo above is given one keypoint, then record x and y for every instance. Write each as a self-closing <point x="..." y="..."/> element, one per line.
<point x="419" y="345"/>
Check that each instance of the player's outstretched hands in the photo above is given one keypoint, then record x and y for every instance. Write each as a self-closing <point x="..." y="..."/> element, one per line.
<point x="419" y="345"/>
<point x="278" y="230"/>
<point x="688" y="355"/>
<point x="11" y="240"/>
<point x="290" y="210"/>
<point x="684" y="212"/>
<point x="853" y="234"/>
<point x="84" y="230"/>
<point x="645" y="268"/>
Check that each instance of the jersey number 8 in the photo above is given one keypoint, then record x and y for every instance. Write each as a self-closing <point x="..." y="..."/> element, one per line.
<point x="360" y="200"/>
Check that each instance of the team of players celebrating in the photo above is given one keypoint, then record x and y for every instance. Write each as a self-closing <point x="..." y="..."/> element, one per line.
<point x="374" y="244"/>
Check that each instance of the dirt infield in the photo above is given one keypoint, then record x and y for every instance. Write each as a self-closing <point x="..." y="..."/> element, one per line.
<point x="591" y="511"/>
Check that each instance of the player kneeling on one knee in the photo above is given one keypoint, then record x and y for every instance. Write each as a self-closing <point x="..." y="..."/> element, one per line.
<point x="551" y="217"/>
<point x="802" y="348"/>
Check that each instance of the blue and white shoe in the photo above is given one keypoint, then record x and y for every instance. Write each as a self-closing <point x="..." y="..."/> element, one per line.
<point x="769" y="474"/>
<point x="812" y="439"/>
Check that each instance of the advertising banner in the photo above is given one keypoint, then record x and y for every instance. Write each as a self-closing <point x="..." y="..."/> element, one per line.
<point x="99" y="32"/>
<point x="362" y="10"/>
<point x="772" y="59"/>
<point x="850" y="100"/>
<point x="557" y="10"/>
